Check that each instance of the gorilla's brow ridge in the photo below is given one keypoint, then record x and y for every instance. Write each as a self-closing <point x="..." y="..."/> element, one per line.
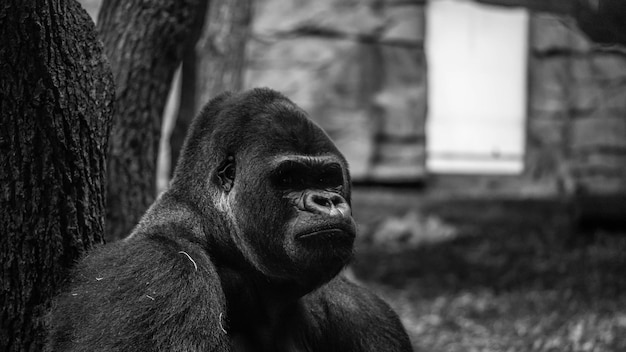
<point x="306" y="159"/>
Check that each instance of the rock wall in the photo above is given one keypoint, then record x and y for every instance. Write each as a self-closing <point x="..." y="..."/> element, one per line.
<point x="577" y="109"/>
<point x="358" y="67"/>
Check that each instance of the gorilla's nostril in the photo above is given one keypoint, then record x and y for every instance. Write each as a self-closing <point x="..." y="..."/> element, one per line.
<point x="323" y="201"/>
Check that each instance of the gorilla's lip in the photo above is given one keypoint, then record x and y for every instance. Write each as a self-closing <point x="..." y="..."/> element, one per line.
<point x="338" y="231"/>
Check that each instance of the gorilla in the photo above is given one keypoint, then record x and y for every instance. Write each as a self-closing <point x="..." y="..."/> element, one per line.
<point x="242" y="253"/>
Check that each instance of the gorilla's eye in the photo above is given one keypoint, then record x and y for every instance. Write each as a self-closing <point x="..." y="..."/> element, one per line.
<point x="286" y="180"/>
<point x="289" y="176"/>
<point x="331" y="177"/>
<point x="226" y="173"/>
<point x="308" y="173"/>
<point x="289" y="180"/>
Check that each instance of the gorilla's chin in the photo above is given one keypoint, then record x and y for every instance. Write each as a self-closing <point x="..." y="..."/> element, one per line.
<point x="320" y="260"/>
<point x="315" y="276"/>
<point x="324" y="249"/>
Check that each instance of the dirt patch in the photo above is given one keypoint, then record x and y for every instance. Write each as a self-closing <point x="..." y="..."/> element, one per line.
<point x="516" y="276"/>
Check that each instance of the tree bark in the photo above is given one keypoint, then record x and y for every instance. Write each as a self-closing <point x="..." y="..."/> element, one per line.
<point x="144" y="43"/>
<point x="56" y="92"/>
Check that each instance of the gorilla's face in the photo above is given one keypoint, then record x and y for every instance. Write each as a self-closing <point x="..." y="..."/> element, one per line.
<point x="287" y="189"/>
<point x="297" y="221"/>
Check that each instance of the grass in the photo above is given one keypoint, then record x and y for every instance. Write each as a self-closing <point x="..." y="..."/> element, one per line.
<point x="515" y="277"/>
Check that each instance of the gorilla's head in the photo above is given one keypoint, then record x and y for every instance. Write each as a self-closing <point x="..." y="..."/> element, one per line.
<point x="272" y="185"/>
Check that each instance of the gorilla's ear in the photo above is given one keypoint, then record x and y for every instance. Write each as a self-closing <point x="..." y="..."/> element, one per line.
<point x="226" y="173"/>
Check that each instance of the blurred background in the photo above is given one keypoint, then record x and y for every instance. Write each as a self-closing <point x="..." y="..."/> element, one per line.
<point x="487" y="144"/>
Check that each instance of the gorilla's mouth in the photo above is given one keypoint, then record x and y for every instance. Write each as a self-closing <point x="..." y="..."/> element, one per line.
<point x="327" y="234"/>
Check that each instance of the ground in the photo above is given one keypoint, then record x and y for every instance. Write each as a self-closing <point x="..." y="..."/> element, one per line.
<point x="507" y="275"/>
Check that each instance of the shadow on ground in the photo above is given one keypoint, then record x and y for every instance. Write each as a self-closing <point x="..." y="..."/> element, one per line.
<point x="514" y="277"/>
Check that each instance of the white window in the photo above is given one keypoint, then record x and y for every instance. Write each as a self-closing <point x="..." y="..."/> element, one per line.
<point x="477" y="58"/>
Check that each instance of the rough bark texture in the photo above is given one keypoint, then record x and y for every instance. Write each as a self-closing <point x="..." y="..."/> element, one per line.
<point x="144" y="43"/>
<point x="56" y="94"/>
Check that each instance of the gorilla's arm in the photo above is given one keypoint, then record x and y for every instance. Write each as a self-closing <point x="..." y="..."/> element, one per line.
<point x="342" y="316"/>
<point x="154" y="293"/>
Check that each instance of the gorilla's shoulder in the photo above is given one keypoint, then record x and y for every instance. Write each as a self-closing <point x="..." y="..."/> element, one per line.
<point x="151" y="255"/>
<point x="127" y="290"/>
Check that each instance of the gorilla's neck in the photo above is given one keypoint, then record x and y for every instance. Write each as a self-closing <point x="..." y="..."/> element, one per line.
<point x="256" y="304"/>
<point x="252" y="302"/>
<point x="252" y="298"/>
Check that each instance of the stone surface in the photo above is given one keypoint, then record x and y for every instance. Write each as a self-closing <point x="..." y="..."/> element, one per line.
<point x="601" y="184"/>
<point x="544" y="152"/>
<point x="358" y="68"/>
<point x="609" y="65"/>
<point x="398" y="163"/>
<point x="585" y="96"/>
<point x="599" y="132"/>
<point x="547" y="129"/>
<point x="337" y="16"/>
<point x="598" y="154"/>
<point x="577" y="109"/>
<point x="551" y="32"/>
<point x="300" y="67"/>
<point x="600" y="162"/>
<point x="549" y="81"/>
<point x="403" y="24"/>
<point x="298" y="51"/>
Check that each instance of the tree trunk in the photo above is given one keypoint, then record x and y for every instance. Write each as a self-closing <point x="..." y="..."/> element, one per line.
<point x="56" y="94"/>
<point x="187" y="94"/>
<point x="213" y="65"/>
<point x="221" y="49"/>
<point x="144" y="43"/>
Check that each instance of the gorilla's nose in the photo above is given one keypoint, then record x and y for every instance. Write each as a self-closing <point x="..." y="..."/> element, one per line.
<point x="326" y="203"/>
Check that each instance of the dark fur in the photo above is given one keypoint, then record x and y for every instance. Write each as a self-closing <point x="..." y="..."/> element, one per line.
<point x="222" y="261"/>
